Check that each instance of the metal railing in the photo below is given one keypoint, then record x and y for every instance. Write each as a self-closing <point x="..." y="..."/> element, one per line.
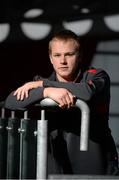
<point x="41" y="133"/>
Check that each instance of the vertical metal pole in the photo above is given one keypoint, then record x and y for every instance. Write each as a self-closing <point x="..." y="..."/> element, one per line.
<point x="23" y="148"/>
<point x="85" y="121"/>
<point x="42" y="147"/>
<point x="3" y="144"/>
<point x="27" y="164"/>
<point x="12" y="147"/>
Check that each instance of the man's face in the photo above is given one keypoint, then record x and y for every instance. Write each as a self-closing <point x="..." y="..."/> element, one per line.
<point x="65" y="59"/>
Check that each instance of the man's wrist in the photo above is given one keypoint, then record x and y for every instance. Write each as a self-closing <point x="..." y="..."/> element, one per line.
<point x="45" y="92"/>
<point x="38" y="83"/>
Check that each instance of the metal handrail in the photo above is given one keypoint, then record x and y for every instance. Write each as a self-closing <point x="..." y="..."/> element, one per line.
<point x="85" y="117"/>
<point x="42" y="133"/>
<point x="42" y="130"/>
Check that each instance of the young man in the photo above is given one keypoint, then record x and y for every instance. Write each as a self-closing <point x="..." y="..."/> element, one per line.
<point x="67" y="83"/>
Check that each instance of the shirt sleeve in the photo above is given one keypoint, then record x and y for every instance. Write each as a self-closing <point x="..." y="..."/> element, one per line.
<point x="12" y="103"/>
<point x="92" y="83"/>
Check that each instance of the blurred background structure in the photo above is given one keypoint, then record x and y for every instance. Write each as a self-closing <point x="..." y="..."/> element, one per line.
<point x="26" y="26"/>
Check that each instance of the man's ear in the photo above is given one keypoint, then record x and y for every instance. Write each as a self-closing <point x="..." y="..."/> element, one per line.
<point x="50" y="59"/>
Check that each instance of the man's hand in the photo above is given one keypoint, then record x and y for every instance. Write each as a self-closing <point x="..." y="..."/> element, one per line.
<point x="62" y="96"/>
<point x="23" y="92"/>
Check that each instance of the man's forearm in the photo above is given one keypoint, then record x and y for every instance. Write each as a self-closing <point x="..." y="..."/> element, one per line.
<point x="34" y="95"/>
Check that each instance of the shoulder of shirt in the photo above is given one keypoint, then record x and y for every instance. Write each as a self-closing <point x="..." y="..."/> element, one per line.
<point x="93" y="70"/>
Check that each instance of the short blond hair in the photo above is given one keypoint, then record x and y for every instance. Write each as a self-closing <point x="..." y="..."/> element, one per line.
<point x="65" y="35"/>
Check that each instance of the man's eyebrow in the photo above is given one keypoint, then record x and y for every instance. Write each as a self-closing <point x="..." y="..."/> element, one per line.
<point x="71" y="52"/>
<point x="56" y="53"/>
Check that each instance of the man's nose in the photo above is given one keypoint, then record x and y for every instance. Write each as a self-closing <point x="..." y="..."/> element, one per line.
<point x="63" y="60"/>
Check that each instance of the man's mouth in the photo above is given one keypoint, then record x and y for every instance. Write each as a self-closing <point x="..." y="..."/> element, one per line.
<point x="63" y="68"/>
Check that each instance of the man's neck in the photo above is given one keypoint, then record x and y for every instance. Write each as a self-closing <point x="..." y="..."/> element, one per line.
<point x="72" y="79"/>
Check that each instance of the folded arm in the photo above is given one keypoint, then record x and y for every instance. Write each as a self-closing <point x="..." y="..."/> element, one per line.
<point x="32" y="92"/>
<point x="63" y="93"/>
<point x="91" y="84"/>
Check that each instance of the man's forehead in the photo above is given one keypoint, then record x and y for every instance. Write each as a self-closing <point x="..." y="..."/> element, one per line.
<point x="60" y="42"/>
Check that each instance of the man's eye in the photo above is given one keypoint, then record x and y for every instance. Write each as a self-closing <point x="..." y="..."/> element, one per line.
<point x="70" y="54"/>
<point x="56" y="55"/>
